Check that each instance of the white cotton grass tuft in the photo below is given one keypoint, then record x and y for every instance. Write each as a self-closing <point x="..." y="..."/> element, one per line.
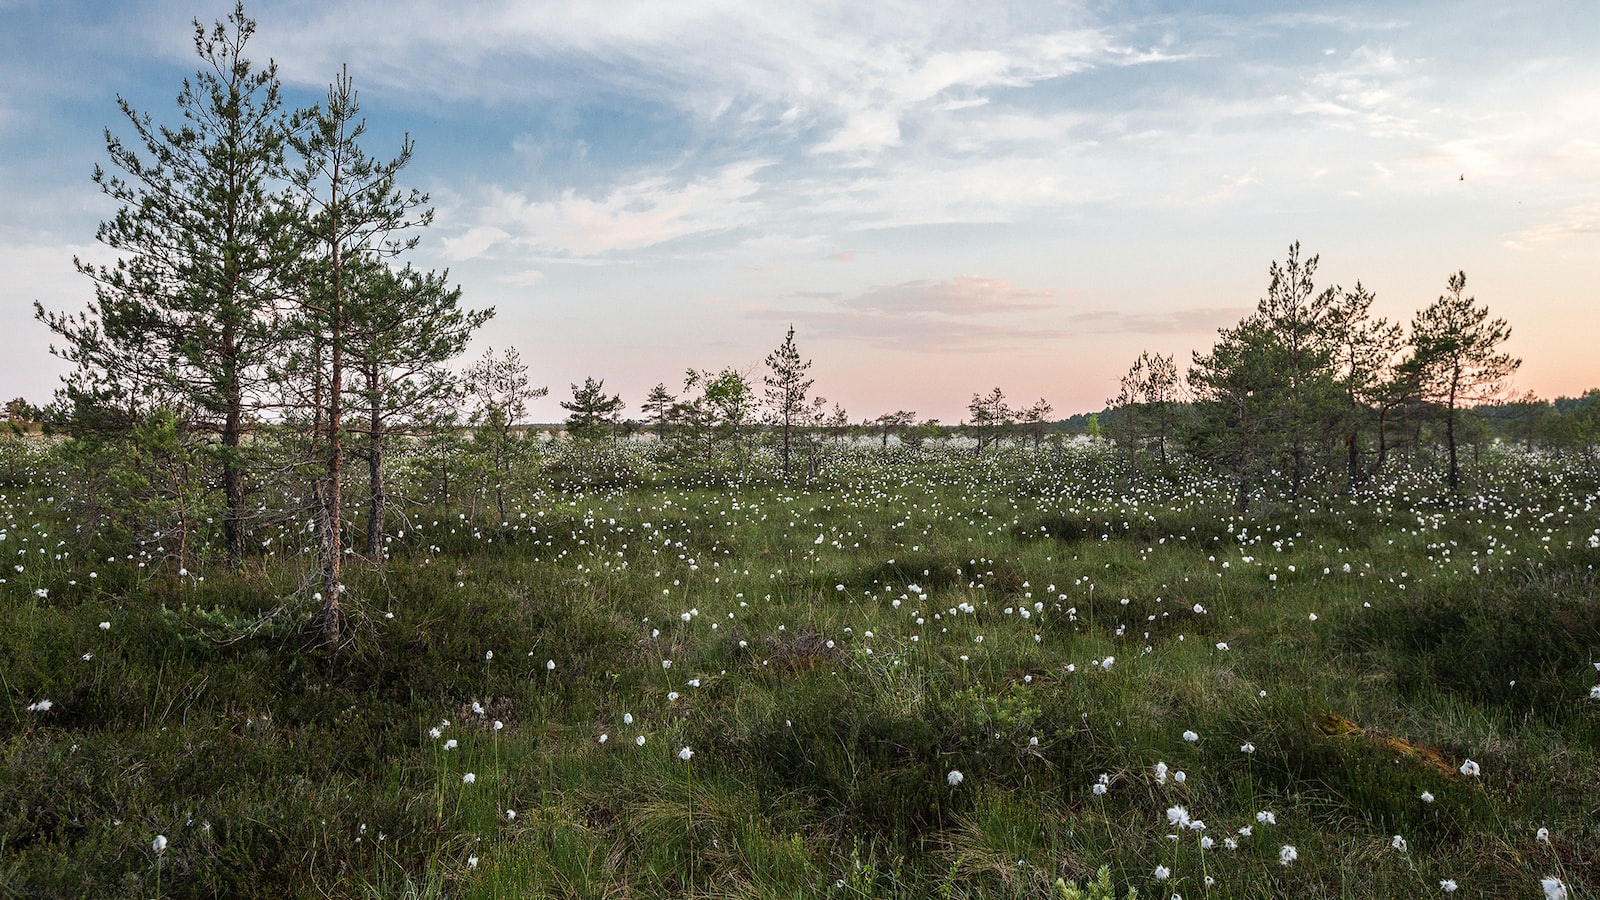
<point x="1554" y="888"/>
<point x="1287" y="854"/>
<point x="955" y="777"/>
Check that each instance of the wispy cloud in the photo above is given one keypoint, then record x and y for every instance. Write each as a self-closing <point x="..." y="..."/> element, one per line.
<point x="632" y="216"/>
<point x="1183" y="321"/>
<point x="1577" y="221"/>
<point x="964" y="313"/>
<point x="964" y="295"/>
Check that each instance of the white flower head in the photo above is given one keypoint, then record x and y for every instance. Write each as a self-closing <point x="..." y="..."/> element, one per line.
<point x="39" y="706"/>
<point x="639" y="740"/>
<point x="955" y="777"/>
<point x="1267" y="817"/>
<point x="1161" y="773"/>
<point x="1163" y="873"/>
<point x="685" y="754"/>
<point x="1553" y="888"/>
<point x="1427" y="796"/>
<point x="1448" y="885"/>
<point x="159" y="845"/>
<point x="1177" y="817"/>
<point x="1542" y="835"/>
<point x="1287" y="854"/>
<point x="1190" y="736"/>
<point x="1398" y="843"/>
<point x="1471" y="769"/>
<point x="468" y="778"/>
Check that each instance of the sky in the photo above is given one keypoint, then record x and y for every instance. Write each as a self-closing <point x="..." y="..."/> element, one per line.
<point x="940" y="197"/>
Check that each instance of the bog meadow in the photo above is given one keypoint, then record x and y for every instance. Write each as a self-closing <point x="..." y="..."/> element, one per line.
<point x="298" y="603"/>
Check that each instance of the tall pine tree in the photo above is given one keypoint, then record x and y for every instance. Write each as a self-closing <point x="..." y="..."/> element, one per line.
<point x="185" y="319"/>
<point x="352" y="214"/>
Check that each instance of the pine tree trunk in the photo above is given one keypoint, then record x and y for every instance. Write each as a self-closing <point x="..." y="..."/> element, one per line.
<point x="333" y="537"/>
<point x="233" y="488"/>
<point x="376" y="494"/>
<point x="1450" y="440"/>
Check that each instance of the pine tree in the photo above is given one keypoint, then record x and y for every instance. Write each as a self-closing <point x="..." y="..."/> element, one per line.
<point x="1364" y="352"/>
<point x="1455" y="361"/>
<point x="990" y="417"/>
<point x="500" y="390"/>
<point x="352" y="215"/>
<point x="889" y="423"/>
<point x="1146" y="403"/>
<point x="404" y="326"/>
<point x="1267" y="395"/>
<point x="786" y="392"/>
<point x="660" y="405"/>
<point x="593" y="414"/>
<point x="1035" y="418"/>
<point x="184" y="320"/>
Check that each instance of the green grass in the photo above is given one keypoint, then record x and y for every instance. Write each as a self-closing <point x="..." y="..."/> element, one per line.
<point x="1026" y="621"/>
